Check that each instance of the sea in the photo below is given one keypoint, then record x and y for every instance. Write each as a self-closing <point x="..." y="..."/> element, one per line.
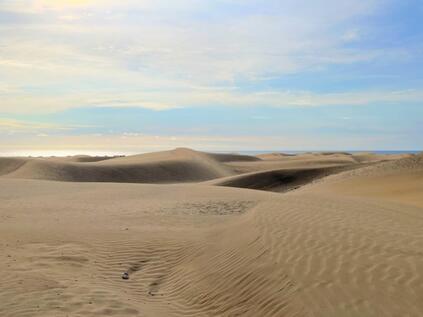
<point x="326" y="151"/>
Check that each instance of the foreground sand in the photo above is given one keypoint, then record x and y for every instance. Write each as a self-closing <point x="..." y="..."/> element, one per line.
<point x="325" y="235"/>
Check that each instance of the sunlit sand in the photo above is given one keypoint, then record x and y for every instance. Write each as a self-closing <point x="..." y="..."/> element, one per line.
<point x="187" y="233"/>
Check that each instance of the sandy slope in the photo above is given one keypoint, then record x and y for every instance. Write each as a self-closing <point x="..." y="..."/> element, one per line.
<point x="181" y="165"/>
<point x="10" y="164"/>
<point x="397" y="181"/>
<point x="81" y="158"/>
<point x="293" y="162"/>
<point x="279" y="180"/>
<point x="331" y="248"/>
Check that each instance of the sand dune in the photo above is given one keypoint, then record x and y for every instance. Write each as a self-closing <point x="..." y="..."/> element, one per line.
<point x="347" y="242"/>
<point x="395" y="180"/>
<point x="179" y="165"/>
<point x="162" y="167"/>
<point x="298" y="162"/>
<point x="275" y="156"/>
<point x="371" y="157"/>
<point x="9" y="165"/>
<point x="306" y="155"/>
<point x="279" y="180"/>
<point x="81" y="158"/>
<point x="233" y="157"/>
<point x="182" y="154"/>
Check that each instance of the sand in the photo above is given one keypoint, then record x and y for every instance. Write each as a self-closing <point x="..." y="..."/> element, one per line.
<point x="204" y="234"/>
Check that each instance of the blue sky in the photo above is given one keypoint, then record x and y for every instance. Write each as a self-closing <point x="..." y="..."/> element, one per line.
<point x="134" y="76"/>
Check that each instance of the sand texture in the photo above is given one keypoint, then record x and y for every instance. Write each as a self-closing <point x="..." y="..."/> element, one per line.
<point x="200" y="234"/>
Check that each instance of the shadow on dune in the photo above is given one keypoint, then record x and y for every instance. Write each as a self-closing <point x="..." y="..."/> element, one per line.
<point x="279" y="180"/>
<point x="186" y="165"/>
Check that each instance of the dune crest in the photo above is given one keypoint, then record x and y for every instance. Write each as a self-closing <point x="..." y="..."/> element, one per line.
<point x="181" y="165"/>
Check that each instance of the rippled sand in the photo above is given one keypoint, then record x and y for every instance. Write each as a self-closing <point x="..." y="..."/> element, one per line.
<point x="200" y="234"/>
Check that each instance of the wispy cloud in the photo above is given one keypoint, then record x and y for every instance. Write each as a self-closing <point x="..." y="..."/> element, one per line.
<point x="30" y="103"/>
<point x="12" y="126"/>
<point x="57" y="55"/>
<point x="73" y="53"/>
<point x="133" y="144"/>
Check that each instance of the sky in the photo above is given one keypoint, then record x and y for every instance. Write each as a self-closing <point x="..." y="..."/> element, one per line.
<point x="132" y="76"/>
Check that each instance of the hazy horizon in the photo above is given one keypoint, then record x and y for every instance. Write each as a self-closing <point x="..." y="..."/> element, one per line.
<point x="244" y="152"/>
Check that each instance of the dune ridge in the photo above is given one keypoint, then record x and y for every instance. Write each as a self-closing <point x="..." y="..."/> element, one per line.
<point x="180" y="165"/>
<point x="186" y="165"/>
<point x="82" y="158"/>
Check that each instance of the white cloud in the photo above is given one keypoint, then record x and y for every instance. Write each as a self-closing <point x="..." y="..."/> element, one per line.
<point x="119" y="144"/>
<point x="351" y="35"/>
<point x="203" y="97"/>
<point x="129" y="145"/>
<point x="21" y="126"/>
<point x="156" y="54"/>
